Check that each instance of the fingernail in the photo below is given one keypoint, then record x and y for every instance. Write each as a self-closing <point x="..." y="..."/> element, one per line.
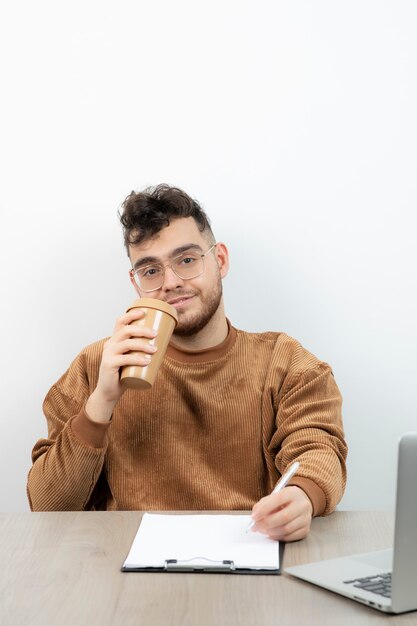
<point x="153" y="348"/>
<point x="147" y="358"/>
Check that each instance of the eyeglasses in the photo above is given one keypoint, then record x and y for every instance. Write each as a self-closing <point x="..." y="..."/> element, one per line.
<point x="186" y="266"/>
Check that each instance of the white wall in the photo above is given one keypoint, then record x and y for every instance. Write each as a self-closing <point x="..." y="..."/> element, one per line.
<point x="292" y="122"/>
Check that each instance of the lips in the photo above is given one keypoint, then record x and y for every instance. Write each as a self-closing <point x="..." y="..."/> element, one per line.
<point x="179" y="301"/>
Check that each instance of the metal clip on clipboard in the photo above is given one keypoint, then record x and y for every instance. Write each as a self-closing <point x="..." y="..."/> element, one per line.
<point x="174" y="565"/>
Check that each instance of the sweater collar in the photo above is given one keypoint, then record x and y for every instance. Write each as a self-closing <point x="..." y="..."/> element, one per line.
<point x="208" y="354"/>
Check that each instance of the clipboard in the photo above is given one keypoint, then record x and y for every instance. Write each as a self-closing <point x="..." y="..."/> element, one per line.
<point x="201" y="544"/>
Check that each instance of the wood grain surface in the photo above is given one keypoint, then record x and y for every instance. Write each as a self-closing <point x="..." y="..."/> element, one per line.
<point x="64" y="569"/>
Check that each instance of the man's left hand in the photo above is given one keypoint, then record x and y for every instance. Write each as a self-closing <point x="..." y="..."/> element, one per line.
<point x="285" y="515"/>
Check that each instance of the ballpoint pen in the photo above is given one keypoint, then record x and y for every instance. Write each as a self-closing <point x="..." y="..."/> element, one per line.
<point x="280" y="485"/>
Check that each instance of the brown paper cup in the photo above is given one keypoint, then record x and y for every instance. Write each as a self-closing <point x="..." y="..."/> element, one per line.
<point x="163" y="318"/>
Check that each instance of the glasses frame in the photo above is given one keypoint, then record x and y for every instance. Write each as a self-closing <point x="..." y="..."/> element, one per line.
<point x="133" y="273"/>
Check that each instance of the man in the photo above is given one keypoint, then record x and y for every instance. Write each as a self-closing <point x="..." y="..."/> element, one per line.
<point x="227" y="415"/>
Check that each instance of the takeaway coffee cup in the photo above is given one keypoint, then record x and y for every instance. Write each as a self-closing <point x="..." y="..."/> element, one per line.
<point x="163" y="318"/>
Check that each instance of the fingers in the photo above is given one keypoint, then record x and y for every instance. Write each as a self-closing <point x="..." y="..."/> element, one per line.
<point x="130" y="344"/>
<point x="129" y="339"/>
<point x="285" y="515"/>
<point x="126" y="327"/>
<point x="294" y="529"/>
<point x="271" y="503"/>
<point x="129" y="352"/>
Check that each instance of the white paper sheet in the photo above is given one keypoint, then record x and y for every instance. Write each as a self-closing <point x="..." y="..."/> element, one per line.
<point x="202" y="539"/>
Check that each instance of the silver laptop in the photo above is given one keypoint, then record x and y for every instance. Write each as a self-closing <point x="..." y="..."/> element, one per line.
<point x="385" y="580"/>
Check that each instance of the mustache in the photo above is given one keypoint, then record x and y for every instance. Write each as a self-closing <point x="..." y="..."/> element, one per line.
<point x="180" y="294"/>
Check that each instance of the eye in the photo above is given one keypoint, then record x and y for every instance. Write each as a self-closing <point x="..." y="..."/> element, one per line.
<point x="187" y="260"/>
<point x="150" y="271"/>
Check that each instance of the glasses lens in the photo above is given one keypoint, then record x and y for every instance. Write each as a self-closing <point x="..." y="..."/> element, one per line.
<point x="150" y="277"/>
<point x="188" y="265"/>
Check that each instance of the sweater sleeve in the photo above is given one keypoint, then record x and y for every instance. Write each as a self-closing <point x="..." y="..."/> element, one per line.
<point x="309" y="430"/>
<point x="67" y="465"/>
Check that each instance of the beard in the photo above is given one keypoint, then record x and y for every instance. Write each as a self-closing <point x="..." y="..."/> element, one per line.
<point x="192" y="323"/>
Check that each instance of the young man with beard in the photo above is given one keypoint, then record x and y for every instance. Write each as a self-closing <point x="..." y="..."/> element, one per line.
<point x="227" y="415"/>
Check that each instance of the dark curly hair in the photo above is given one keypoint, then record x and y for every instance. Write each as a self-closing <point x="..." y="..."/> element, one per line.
<point x="143" y="214"/>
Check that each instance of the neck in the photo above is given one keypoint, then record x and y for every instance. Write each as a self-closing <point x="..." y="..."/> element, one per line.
<point x="213" y="333"/>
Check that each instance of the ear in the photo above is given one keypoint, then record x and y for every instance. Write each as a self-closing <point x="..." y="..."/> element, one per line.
<point x="222" y="258"/>
<point x="132" y="280"/>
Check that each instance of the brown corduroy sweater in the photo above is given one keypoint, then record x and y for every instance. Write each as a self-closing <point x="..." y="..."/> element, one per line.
<point x="215" y="432"/>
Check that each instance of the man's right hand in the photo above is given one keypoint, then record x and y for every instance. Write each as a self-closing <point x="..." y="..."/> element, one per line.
<point x="121" y="349"/>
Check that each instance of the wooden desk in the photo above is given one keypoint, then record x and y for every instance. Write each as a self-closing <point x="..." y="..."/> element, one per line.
<point x="64" y="569"/>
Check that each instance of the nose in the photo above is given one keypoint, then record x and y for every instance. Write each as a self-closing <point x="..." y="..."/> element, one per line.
<point x="171" y="280"/>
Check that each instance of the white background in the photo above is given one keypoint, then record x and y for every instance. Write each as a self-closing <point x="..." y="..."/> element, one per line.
<point x="292" y="122"/>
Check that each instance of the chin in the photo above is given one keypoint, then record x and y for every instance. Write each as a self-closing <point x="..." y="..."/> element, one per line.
<point x="193" y="325"/>
<point x="187" y="329"/>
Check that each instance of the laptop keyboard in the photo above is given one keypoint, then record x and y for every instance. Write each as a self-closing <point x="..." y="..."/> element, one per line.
<point x="380" y="584"/>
